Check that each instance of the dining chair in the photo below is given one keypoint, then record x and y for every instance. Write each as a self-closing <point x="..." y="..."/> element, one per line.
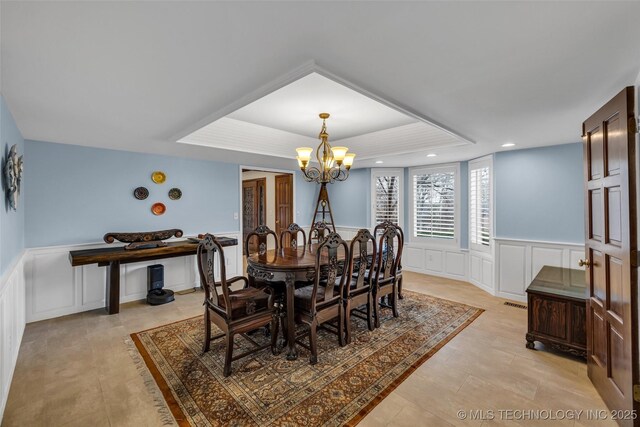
<point x="385" y="279"/>
<point x="261" y="234"/>
<point x="318" y="231"/>
<point x="233" y="312"/>
<point x="322" y="302"/>
<point x="379" y="229"/>
<point x="359" y="291"/>
<point x="293" y="230"/>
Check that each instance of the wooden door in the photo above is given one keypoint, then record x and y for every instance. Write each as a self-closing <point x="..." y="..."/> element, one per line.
<point x="284" y="204"/>
<point x="253" y="207"/>
<point x="610" y="197"/>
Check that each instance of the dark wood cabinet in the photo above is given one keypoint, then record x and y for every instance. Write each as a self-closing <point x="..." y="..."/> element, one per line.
<point x="557" y="310"/>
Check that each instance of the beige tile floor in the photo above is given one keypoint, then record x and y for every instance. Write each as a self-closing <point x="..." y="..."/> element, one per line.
<point x="76" y="370"/>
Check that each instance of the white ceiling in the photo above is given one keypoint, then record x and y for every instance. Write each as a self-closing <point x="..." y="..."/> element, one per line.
<point x="295" y="108"/>
<point x="139" y="75"/>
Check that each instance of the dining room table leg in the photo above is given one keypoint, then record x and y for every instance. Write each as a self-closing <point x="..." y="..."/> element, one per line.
<point x="290" y="282"/>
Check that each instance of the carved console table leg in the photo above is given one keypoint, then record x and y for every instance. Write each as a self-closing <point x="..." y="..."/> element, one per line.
<point x="290" y="281"/>
<point x="530" y="342"/>
<point x="112" y="297"/>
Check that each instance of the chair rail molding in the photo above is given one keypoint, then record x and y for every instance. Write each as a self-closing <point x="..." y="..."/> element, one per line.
<point x="504" y="271"/>
<point x="518" y="261"/>
<point x="12" y="323"/>
<point x="54" y="288"/>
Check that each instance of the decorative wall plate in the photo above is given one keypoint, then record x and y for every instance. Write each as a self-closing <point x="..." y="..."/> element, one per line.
<point x="141" y="193"/>
<point x="175" y="194"/>
<point x="158" y="177"/>
<point x="158" y="208"/>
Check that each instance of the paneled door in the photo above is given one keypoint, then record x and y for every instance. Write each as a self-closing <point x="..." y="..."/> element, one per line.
<point x="253" y="207"/>
<point x="610" y="250"/>
<point x="284" y="204"/>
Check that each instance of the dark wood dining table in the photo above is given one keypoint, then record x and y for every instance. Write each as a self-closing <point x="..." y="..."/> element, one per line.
<point x="288" y="266"/>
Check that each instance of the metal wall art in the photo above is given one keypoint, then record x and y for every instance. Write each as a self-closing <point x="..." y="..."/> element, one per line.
<point x="141" y="193"/>
<point x="158" y="209"/>
<point x="175" y="194"/>
<point x="158" y="177"/>
<point x="13" y="169"/>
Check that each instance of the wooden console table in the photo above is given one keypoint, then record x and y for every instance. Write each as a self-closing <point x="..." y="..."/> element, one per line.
<point x="113" y="257"/>
<point x="557" y="310"/>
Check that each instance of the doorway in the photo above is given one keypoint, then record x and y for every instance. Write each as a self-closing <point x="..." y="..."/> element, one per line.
<point x="267" y="199"/>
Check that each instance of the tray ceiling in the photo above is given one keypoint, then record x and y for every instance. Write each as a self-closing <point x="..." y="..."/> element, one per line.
<point x="288" y="118"/>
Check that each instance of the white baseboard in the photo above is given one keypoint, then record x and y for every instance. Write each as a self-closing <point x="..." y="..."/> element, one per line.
<point x="12" y="323"/>
<point x="54" y="288"/>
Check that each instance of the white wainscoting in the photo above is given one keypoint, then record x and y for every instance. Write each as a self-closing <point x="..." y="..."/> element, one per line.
<point x="519" y="261"/>
<point x="437" y="261"/>
<point x="12" y="322"/>
<point x="481" y="269"/>
<point x="54" y="288"/>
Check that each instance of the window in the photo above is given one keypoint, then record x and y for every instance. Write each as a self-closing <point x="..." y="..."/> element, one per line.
<point x="386" y="195"/>
<point x="435" y="204"/>
<point x="480" y="204"/>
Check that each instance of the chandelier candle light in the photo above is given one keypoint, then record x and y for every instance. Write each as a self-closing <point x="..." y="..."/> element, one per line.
<point x="330" y="159"/>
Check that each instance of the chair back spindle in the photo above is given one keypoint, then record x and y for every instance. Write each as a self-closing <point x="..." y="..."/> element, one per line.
<point x="293" y="231"/>
<point x="318" y="232"/>
<point x="329" y="249"/>
<point x="389" y="253"/>
<point x="360" y="245"/>
<point x="262" y="233"/>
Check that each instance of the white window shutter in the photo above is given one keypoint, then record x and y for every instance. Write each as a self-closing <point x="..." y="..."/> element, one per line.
<point x="387" y="199"/>
<point x="480" y="206"/>
<point x="434" y="205"/>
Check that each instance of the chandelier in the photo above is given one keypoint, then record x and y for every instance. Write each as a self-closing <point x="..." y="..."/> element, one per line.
<point x="331" y="159"/>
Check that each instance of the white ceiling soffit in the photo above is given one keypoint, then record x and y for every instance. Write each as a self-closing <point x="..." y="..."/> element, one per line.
<point x="286" y="118"/>
<point x="231" y="134"/>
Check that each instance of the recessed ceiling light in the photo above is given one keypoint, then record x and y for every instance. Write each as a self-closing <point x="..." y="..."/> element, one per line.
<point x="508" y="144"/>
<point x="379" y="162"/>
<point x="431" y="155"/>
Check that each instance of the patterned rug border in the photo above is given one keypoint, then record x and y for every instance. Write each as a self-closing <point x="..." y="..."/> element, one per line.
<point x="180" y="418"/>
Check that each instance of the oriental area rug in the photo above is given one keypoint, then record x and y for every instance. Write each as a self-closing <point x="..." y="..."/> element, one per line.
<point x="267" y="390"/>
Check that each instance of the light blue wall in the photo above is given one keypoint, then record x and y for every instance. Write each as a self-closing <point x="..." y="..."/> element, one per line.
<point x="78" y="194"/>
<point x="351" y="199"/>
<point x="539" y="194"/>
<point x="11" y="222"/>
<point x="306" y="197"/>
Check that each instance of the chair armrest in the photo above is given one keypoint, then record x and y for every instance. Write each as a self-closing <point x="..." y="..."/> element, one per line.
<point x="238" y="278"/>
<point x="241" y="297"/>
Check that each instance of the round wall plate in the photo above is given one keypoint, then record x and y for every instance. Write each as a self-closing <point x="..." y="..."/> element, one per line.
<point x="141" y="193"/>
<point x="158" y="177"/>
<point x="175" y="194"/>
<point x="158" y="209"/>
